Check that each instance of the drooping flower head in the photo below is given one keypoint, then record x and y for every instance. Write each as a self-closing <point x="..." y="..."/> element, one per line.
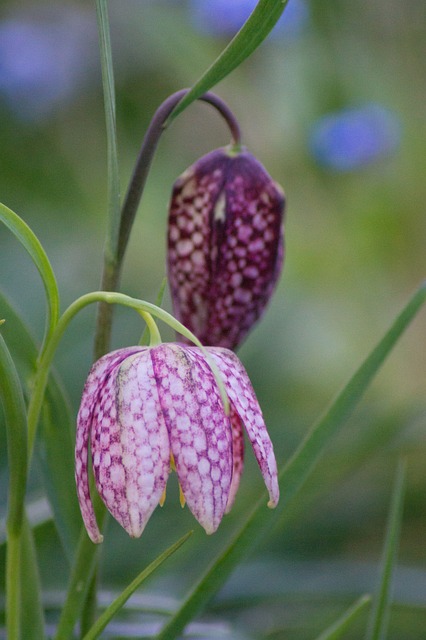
<point x="143" y="407"/>
<point x="225" y="245"/>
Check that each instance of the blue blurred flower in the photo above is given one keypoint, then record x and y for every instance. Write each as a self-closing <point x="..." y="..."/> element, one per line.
<point x="43" y="61"/>
<point x="348" y="139"/>
<point x="226" y="17"/>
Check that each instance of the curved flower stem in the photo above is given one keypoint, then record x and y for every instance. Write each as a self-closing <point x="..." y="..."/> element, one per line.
<point x="154" y="334"/>
<point x="107" y="297"/>
<point x="113" y="262"/>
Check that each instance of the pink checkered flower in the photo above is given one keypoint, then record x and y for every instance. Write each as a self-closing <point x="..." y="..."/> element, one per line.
<point x="225" y="245"/>
<point x="147" y="409"/>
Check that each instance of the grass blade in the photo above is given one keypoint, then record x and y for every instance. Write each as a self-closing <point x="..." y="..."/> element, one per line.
<point x="381" y="608"/>
<point x="258" y="26"/>
<point x="32" y="618"/>
<point x="342" y="624"/>
<point x="110" y="119"/>
<point x="293" y="474"/>
<point x="121" y="600"/>
<point x="21" y="566"/>
<point x="33" y="247"/>
<point x="55" y="444"/>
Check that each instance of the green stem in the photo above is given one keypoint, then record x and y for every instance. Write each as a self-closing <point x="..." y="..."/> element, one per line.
<point x="13" y="585"/>
<point x="114" y="259"/>
<point x="12" y="399"/>
<point x="90" y="605"/>
<point x="81" y="577"/>
<point x="154" y="334"/>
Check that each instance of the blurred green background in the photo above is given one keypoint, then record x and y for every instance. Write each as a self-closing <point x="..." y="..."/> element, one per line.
<point x="355" y="252"/>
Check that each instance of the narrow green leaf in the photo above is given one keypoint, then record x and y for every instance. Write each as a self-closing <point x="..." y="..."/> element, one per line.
<point x="380" y="613"/>
<point x="55" y="450"/>
<point x="110" y="120"/>
<point x="249" y="37"/>
<point x="32" y="618"/>
<point x="121" y="600"/>
<point x="32" y="245"/>
<point x="12" y="399"/>
<point x="292" y="475"/>
<point x="55" y="445"/>
<point x="343" y="623"/>
<point x="81" y="576"/>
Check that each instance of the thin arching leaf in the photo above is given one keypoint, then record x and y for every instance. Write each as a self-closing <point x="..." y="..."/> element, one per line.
<point x="293" y="474"/>
<point x="110" y="121"/>
<point x="32" y="245"/>
<point x="254" y="31"/>
<point x="55" y="444"/>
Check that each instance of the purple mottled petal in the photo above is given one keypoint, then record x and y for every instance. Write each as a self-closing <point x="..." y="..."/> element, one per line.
<point x="237" y="456"/>
<point x="200" y="432"/>
<point x="225" y="245"/>
<point x="130" y="443"/>
<point x="96" y="379"/>
<point x="244" y="401"/>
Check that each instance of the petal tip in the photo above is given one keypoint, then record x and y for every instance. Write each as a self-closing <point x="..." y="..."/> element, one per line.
<point x="96" y="538"/>
<point x="272" y="503"/>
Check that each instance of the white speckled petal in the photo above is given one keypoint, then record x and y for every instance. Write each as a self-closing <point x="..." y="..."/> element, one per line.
<point x="225" y="245"/>
<point x="237" y="456"/>
<point x="95" y="381"/>
<point x="130" y="443"/>
<point x="243" y="399"/>
<point x="200" y="432"/>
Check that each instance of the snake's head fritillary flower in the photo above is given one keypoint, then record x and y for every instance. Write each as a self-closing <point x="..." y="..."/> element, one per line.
<point x="147" y="409"/>
<point x="225" y="245"/>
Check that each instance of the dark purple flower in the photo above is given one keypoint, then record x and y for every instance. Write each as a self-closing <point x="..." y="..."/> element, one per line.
<point x="225" y="245"/>
<point x="145" y="409"/>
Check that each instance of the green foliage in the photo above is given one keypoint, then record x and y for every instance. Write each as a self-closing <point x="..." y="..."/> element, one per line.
<point x="348" y="214"/>
<point x="293" y="475"/>
<point x="250" y="36"/>
<point x="381" y="610"/>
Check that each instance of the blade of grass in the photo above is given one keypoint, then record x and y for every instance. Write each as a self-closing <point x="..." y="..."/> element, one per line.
<point x="110" y="120"/>
<point x="81" y="577"/>
<point x="12" y="399"/>
<point x="21" y="567"/>
<point x="377" y="629"/>
<point x="55" y="444"/>
<point x="31" y="244"/>
<point x="121" y="600"/>
<point x="342" y="624"/>
<point x="109" y="273"/>
<point x="32" y="618"/>
<point x="293" y="474"/>
<point x="258" y="26"/>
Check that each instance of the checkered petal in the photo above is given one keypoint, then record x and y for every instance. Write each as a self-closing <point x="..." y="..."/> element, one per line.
<point x="98" y="376"/>
<point x="225" y="245"/>
<point x="244" y="402"/>
<point x="130" y="443"/>
<point x="200" y="432"/>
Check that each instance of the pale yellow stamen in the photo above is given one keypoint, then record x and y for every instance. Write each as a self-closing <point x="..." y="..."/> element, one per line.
<point x="182" y="499"/>
<point x="162" y="500"/>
